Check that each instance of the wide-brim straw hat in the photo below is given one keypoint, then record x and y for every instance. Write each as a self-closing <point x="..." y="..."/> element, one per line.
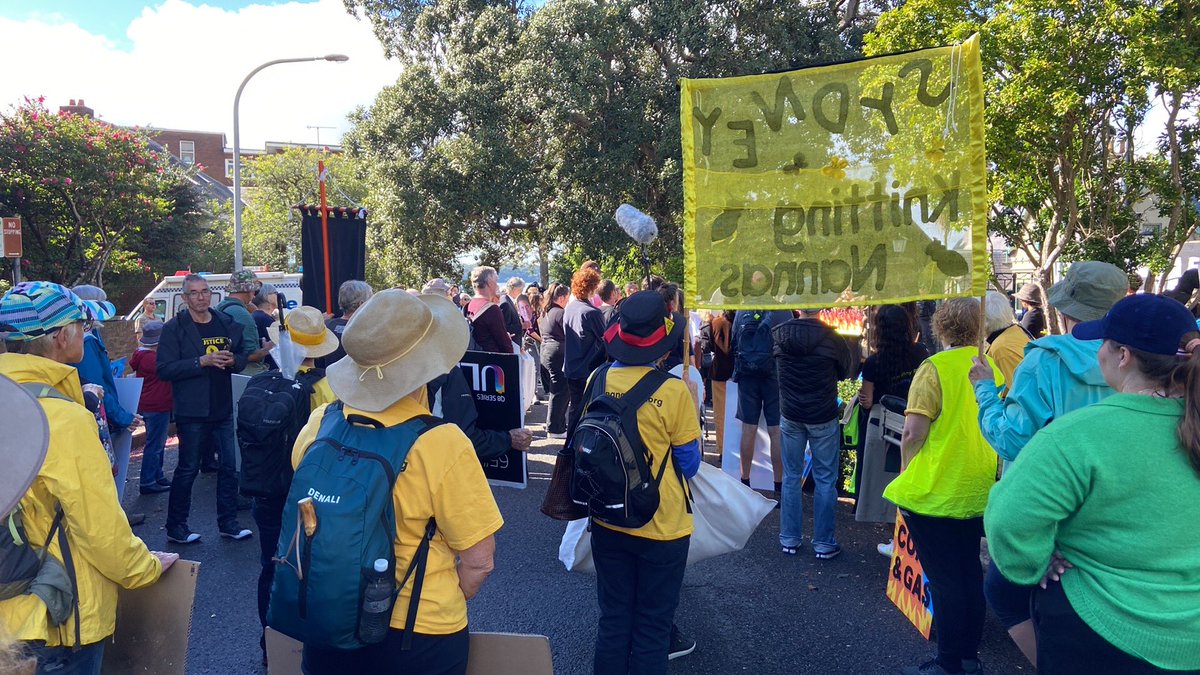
<point x="23" y="445"/>
<point x="395" y="343"/>
<point x="306" y="327"/>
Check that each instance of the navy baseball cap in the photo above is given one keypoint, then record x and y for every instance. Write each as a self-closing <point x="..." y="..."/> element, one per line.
<point x="1147" y="322"/>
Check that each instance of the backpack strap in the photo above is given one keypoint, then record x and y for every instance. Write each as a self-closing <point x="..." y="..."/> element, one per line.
<point x="417" y="567"/>
<point x="640" y="393"/>
<point x="43" y="390"/>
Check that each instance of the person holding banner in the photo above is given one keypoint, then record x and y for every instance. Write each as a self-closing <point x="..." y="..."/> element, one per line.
<point x="1114" y="488"/>
<point x="943" y="486"/>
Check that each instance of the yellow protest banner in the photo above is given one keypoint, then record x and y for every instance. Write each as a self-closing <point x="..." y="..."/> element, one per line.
<point x="851" y="184"/>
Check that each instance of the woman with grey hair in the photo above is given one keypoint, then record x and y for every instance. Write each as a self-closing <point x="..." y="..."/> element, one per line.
<point x="352" y="295"/>
<point x="1006" y="339"/>
<point x="266" y="304"/>
<point x="484" y="313"/>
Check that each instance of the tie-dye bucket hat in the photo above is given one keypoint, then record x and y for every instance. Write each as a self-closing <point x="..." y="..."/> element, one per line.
<point x="33" y="309"/>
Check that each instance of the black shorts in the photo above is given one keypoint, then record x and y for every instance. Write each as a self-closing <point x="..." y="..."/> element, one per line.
<point x="758" y="395"/>
<point x="430" y="654"/>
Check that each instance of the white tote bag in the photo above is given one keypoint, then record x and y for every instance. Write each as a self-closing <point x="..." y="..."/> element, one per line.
<point x="725" y="514"/>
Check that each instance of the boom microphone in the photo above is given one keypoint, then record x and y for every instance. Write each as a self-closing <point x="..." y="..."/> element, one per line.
<point x="636" y="224"/>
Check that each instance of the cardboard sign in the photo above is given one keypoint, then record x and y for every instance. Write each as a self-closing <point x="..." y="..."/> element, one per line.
<point x="153" y="624"/>
<point x="842" y="185"/>
<point x="10" y="237"/>
<point x="491" y="654"/>
<point x="495" y="380"/>
<point x="908" y="587"/>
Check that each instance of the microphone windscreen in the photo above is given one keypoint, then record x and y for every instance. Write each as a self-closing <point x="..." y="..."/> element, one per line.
<point x="638" y="225"/>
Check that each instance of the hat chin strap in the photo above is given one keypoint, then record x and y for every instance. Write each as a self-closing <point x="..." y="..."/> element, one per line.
<point x="378" y="367"/>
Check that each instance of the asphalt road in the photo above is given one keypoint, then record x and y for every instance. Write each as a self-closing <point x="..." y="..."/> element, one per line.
<point x="756" y="610"/>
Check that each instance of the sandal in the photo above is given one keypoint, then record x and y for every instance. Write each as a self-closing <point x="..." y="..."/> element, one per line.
<point x="790" y="550"/>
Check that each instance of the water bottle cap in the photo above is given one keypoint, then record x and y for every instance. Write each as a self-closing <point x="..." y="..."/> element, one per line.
<point x="381" y="565"/>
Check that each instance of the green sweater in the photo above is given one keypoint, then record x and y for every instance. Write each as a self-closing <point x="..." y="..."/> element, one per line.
<point x="1110" y="487"/>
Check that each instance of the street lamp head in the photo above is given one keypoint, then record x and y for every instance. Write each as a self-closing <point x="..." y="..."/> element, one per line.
<point x="336" y="57"/>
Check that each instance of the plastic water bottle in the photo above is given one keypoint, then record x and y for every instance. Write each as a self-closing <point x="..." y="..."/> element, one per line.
<point x="376" y="614"/>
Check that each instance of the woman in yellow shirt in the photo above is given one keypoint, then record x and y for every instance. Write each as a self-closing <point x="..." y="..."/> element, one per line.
<point x="943" y="486"/>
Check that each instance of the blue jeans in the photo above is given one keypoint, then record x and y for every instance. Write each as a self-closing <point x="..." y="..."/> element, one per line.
<point x="152" y="453"/>
<point x="67" y="661"/>
<point x="193" y="437"/>
<point x="822" y="439"/>
<point x="637" y="584"/>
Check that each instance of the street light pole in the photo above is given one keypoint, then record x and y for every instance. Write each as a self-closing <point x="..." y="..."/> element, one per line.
<point x="237" y="149"/>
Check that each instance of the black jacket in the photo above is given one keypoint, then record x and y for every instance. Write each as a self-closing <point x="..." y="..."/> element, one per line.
<point x="458" y="408"/>
<point x="811" y="360"/>
<point x="179" y="352"/>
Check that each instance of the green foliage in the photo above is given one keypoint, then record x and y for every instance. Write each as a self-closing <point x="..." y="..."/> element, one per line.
<point x="278" y="182"/>
<point x="98" y="205"/>
<point x="553" y="116"/>
<point x="1067" y="83"/>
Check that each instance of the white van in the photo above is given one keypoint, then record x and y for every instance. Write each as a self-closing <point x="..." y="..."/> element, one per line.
<point x="168" y="294"/>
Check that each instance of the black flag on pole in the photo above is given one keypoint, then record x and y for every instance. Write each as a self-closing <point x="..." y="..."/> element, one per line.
<point x="347" y="253"/>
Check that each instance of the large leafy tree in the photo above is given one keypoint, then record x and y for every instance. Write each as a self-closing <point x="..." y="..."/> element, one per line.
<point x="275" y="184"/>
<point x="1067" y="84"/>
<point x="98" y="205"/>
<point x="554" y="116"/>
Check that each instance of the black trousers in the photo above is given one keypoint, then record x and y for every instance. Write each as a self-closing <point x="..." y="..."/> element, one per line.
<point x="949" y="553"/>
<point x="268" y="516"/>
<point x="556" y="386"/>
<point x="575" y="410"/>
<point x="637" y="585"/>
<point x="429" y="655"/>
<point x="1067" y="645"/>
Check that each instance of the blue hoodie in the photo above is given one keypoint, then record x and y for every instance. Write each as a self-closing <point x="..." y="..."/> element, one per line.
<point x="1059" y="374"/>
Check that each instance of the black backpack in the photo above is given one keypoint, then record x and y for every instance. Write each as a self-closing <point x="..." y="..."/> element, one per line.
<point x="271" y="413"/>
<point x="753" y="356"/>
<point x="612" y="476"/>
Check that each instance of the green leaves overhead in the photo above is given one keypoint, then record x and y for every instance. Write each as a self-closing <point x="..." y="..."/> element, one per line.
<point x="554" y="117"/>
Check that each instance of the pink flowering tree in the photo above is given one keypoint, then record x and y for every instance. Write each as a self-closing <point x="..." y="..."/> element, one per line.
<point x="95" y="199"/>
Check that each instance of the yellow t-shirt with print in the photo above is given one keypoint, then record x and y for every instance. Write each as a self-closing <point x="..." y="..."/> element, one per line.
<point x="668" y="418"/>
<point x="443" y="480"/>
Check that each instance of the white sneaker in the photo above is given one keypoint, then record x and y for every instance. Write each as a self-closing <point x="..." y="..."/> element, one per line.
<point x="236" y="533"/>
<point x="885" y="550"/>
<point x="559" y="436"/>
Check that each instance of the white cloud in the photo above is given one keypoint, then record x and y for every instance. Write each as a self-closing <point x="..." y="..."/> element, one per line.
<point x="186" y="61"/>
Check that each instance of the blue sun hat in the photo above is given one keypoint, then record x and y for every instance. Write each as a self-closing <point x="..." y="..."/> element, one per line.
<point x="33" y="309"/>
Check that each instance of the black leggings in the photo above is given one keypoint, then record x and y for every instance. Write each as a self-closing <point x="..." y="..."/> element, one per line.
<point x="949" y="553"/>
<point x="1067" y="645"/>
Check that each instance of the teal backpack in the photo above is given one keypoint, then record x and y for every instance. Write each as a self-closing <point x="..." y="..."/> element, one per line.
<point x="349" y="473"/>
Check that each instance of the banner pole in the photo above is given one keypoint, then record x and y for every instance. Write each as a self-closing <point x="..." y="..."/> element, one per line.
<point x="982" y="325"/>
<point x="325" y="238"/>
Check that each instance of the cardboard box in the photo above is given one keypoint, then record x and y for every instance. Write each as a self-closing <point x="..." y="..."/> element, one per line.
<point x="153" y="624"/>
<point x="491" y="654"/>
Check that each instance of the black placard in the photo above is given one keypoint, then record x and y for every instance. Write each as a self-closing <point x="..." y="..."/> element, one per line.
<point x="495" y="379"/>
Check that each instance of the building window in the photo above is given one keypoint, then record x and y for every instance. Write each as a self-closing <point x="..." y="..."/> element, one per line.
<point x="228" y="168"/>
<point x="187" y="152"/>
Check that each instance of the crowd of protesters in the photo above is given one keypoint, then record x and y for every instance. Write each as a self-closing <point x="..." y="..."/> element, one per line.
<point x="1056" y="447"/>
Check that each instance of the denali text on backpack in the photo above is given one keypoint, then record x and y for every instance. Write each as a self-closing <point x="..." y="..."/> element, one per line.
<point x="270" y="414"/>
<point x="612" y="476"/>
<point x="321" y="576"/>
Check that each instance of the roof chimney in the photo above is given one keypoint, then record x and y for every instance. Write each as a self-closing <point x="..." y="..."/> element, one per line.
<point x="77" y="107"/>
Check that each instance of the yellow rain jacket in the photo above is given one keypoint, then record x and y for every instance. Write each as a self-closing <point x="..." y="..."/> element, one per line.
<point x="77" y="475"/>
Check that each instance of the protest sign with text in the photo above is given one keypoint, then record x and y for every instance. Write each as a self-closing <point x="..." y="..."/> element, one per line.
<point x="495" y="381"/>
<point x="908" y="587"/>
<point x="849" y="184"/>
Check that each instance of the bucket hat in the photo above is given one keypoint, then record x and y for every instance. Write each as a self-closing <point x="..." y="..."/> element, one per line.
<point x="1150" y="323"/>
<point x="1031" y="293"/>
<point x="23" y="445"/>
<point x="243" y="281"/>
<point x="306" y="327"/>
<point x="1089" y="290"/>
<point x="396" y="342"/>
<point x="644" y="331"/>
<point x="37" y="308"/>
<point x="151" y="333"/>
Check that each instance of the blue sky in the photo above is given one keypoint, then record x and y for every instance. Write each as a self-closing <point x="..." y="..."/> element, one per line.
<point x="173" y="63"/>
<point x="109" y="18"/>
